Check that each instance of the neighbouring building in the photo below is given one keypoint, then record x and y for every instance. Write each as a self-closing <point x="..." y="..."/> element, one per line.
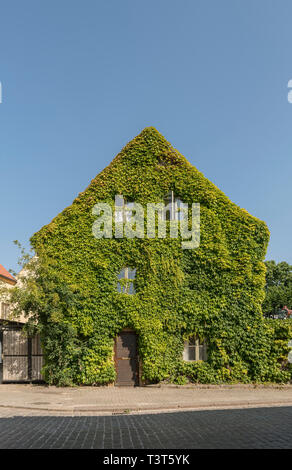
<point x="149" y="308"/>
<point x="287" y="311"/>
<point x="7" y="280"/>
<point x="20" y="356"/>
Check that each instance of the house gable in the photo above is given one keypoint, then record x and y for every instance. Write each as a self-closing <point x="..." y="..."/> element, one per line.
<point x="214" y="291"/>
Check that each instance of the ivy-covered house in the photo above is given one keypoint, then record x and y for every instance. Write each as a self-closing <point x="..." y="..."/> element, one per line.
<point x="147" y="309"/>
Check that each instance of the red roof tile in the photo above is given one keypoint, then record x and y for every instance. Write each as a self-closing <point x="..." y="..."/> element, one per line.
<point x="6" y="274"/>
<point x="289" y="312"/>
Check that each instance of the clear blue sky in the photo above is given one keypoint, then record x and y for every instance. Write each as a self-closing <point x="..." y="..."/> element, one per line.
<point x="81" y="78"/>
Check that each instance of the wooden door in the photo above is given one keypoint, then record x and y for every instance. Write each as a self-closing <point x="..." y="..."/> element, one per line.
<point x="126" y="358"/>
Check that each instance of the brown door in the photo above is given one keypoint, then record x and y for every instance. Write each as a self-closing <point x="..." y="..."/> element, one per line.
<point x="126" y="358"/>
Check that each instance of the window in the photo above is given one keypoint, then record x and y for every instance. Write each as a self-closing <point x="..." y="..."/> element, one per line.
<point x="195" y="350"/>
<point x="126" y="281"/>
<point x="123" y="210"/>
<point x="173" y="207"/>
<point x="5" y="311"/>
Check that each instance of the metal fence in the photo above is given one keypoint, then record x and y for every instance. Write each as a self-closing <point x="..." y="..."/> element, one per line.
<point x="22" y="356"/>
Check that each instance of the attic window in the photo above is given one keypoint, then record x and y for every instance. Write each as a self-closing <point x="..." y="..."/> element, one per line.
<point x="126" y="281"/>
<point x="195" y="350"/>
<point x="124" y="210"/>
<point x="162" y="162"/>
<point x="173" y="207"/>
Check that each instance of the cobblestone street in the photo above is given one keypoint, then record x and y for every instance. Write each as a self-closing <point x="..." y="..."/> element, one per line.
<point x="212" y="429"/>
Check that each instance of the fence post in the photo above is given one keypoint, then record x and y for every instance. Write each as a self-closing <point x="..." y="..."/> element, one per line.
<point x="29" y="359"/>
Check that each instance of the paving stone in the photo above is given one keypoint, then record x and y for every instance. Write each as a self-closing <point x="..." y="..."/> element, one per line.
<point x="213" y="429"/>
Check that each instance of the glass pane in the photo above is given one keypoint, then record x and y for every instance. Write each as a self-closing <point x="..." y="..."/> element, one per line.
<point x="122" y="274"/>
<point x="132" y="273"/>
<point x="201" y="353"/>
<point x="131" y="289"/>
<point x="192" y="354"/>
<point x="119" y="201"/>
<point x="179" y="205"/>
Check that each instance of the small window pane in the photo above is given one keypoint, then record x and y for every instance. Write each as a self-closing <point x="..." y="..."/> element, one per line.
<point x="201" y="352"/>
<point x="119" y="201"/>
<point x="132" y="273"/>
<point x="174" y="207"/>
<point x="130" y="288"/>
<point x="122" y="274"/>
<point x="191" y="354"/>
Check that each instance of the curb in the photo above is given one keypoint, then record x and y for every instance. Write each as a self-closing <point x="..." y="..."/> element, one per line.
<point x="151" y="409"/>
<point x="223" y="386"/>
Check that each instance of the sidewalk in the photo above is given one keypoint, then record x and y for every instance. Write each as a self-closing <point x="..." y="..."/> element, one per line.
<point x="111" y="400"/>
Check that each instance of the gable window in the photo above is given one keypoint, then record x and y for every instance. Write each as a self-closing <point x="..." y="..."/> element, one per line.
<point x="173" y="207"/>
<point x="195" y="350"/>
<point x="126" y="281"/>
<point x="123" y="211"/>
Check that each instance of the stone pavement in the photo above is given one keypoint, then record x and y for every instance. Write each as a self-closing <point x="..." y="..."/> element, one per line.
<point x="255" y="428"/>
<point x="111" y="400"/>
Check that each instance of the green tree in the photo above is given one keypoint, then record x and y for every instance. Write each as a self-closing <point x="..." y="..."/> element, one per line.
<point x="43" y="296"/>
<point x="278" y="287"/>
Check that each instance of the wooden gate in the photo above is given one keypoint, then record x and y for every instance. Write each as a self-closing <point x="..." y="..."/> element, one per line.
<point x="126" y="358"/>
<point x="22" y="356"/>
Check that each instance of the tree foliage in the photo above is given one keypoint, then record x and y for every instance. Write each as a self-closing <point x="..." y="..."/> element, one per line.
<point x="278" y="287"/>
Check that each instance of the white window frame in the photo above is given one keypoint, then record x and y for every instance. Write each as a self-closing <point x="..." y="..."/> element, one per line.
<point x="199" y="348"/>
<point x="175" y="207"/>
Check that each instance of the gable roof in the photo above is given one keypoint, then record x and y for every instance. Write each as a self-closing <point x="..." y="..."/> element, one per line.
<point x="6" y="276"/>
<point x="147" y="163"/>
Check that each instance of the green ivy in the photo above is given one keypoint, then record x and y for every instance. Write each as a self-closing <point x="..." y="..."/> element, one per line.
<point x="214" y="291"/>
